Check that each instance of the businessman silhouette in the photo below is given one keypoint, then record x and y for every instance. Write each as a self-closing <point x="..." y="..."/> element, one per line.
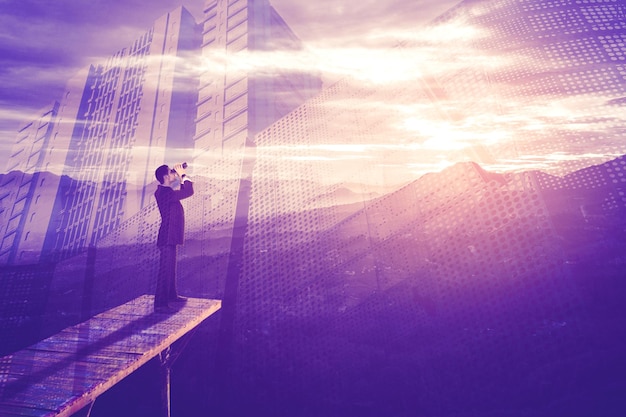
<point x="171" y="232"/>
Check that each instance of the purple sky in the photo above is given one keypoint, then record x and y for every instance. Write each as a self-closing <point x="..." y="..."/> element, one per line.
<point x="43" y="43"/>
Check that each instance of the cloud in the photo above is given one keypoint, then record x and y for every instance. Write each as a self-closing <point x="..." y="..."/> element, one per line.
<point x="351" y="22"/>
<point x="419" y="54"/>
<point x="44" y="43"/>
<point x="409" y="78"/>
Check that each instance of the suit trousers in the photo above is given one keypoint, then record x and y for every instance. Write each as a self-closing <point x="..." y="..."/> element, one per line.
<point x="166" y="280"/>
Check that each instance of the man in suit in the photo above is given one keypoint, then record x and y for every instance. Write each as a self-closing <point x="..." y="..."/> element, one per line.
<point x="171" y="232"/>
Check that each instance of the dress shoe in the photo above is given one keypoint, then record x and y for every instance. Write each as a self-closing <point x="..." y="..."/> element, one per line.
<point x="178" y="299"/>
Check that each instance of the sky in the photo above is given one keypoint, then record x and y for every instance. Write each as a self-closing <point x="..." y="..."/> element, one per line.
<point x="43" y="43"/>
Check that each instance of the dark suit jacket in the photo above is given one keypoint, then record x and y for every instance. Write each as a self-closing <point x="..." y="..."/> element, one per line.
<point x="172" y="230"/>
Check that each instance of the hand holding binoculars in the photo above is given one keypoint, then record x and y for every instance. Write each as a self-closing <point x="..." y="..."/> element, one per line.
<point x="178" y="166"/>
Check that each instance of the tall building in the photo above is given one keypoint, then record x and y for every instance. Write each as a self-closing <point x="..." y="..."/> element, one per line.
<point x="25" y="201"/>
<point x="116" y="122"/>
<point x="35" y="189"/>
<point x="241" y="92"/>
<point x="237" y="96"/>
<point x="137" y="110"/>
<point x="148" y="105"/>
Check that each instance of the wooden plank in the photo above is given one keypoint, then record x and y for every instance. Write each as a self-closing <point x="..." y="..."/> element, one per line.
<point x="66" y="372"/>
<point x="83" y="344"/>
<point x="17" y="410"/>
<point x="40" y="364"/>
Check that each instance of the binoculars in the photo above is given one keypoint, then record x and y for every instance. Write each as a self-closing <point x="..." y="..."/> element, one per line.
<point x="184" y="164"/>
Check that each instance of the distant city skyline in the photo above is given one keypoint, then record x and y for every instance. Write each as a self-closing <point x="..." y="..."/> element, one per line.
<point x="46" y="44"/>
<point x="176" y="88"/>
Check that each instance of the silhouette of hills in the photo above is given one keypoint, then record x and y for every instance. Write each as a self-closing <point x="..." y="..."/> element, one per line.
<point x="595" y="201"/>
<point x="462" y="277"/>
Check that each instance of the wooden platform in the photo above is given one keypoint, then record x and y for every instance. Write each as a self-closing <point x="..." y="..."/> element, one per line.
<point x="68" y="371"/>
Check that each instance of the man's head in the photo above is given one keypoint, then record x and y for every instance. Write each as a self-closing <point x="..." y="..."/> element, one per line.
<point x="163" y="174"/>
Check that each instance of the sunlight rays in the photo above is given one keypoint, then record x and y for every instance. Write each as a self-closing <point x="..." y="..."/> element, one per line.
<point x="433" y="94"/>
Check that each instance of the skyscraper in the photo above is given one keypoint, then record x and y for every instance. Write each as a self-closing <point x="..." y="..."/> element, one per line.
<point x="242" y="90"/>
<point x="234" y="102"/>
<point x="241" y="93"/>
<point x="115" y="123"/>
<point x="179" y="92"/>
<point x="137" y="110"/>
<point x="26" y="205"/>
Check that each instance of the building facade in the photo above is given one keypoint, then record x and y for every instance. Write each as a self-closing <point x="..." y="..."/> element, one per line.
<point x="241" y="92"/>
<point x="116" y="122"/>
<point x="137" y="112"/>
<point x="25" y="208"/>
<point x="148" y="104"/>
<point x="238" y="96"/>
